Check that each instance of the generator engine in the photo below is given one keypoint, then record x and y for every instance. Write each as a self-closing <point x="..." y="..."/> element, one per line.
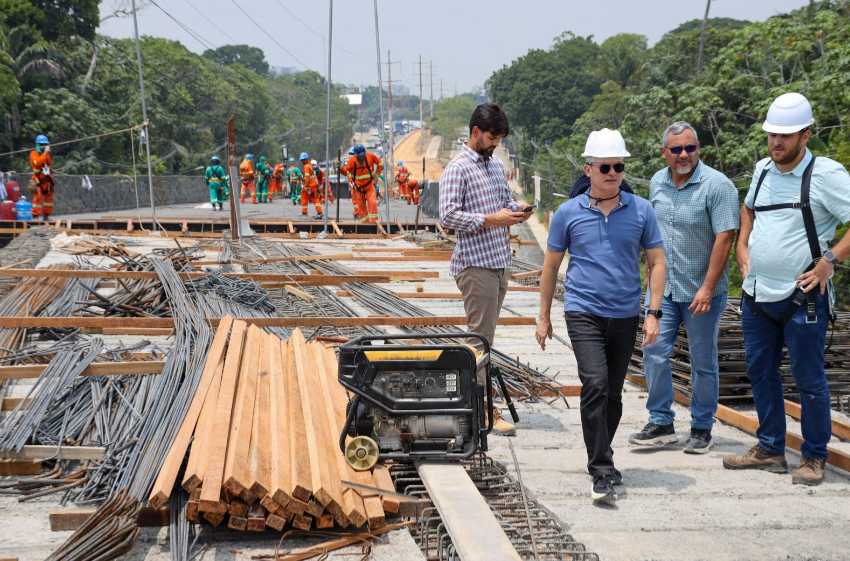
<point x="415" y="401"/>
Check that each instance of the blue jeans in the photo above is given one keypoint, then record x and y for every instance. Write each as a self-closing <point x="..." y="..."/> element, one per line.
<point x="763" y="342"/>
<point x="702" y="346"/>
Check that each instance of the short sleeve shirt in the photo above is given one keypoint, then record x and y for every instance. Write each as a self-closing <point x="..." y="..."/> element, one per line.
<point x="603" y="275"/>
<point x="779" y="249"/>
<point x="690" y="217"/>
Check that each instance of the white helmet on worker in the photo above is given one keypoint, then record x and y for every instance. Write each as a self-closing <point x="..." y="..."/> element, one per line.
<point x="789" y="113"/>
<point x="605" y="143"/>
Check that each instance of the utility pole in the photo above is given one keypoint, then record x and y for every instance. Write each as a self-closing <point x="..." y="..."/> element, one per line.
<point x="145" y="124"/>
<point x="381" y="99"/>
<point x="421" y="116"/>
<point x="391" y="162"/>
<point x="702" y="36"/>
<point x="431" y="85"/>
<point x="441" y="89"/>
<point x="328" y="115"/>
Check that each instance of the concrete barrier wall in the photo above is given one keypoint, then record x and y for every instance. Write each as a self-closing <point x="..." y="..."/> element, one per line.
<point x="113" y="192"/>
<point x="429" y="199"/>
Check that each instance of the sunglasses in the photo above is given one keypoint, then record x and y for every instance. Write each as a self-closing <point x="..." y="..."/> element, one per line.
<point x="605" y="168"/>
<point x="690" y="149"/>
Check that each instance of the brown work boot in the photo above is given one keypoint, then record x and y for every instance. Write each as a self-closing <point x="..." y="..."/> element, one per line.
<point x="501" y="426"/>
<point x="756" y="458"/>
<point x="810" y="472"/>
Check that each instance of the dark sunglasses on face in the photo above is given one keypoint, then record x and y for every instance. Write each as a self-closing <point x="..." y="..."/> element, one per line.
<point x="618" y="167"/>
<point x="690" y="149"/>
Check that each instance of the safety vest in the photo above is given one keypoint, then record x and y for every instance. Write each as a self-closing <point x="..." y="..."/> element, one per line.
<point x="362" y="172"/>
<point x="246" y="170"/>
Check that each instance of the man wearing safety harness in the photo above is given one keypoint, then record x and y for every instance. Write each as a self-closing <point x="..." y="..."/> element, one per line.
<point x="790" y="213"/>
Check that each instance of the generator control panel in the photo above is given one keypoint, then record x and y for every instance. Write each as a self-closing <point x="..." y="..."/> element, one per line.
<point x="418" y="384"/>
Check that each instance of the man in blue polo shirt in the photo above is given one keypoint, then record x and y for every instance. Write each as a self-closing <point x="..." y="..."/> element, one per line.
<point x="604" y="230"/>
<point x="697" y="208"/>
<point x="787" y="288"/>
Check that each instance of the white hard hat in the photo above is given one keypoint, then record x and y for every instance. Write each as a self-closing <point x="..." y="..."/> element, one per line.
<point x="605" y="143"/>
<point x="789" y="113"/>
<point x="314" y="162"/>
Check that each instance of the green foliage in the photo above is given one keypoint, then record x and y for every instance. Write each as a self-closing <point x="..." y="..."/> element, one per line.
<point x="66" y="18"/>
<point x="451" y="116"/>
<point x="405" y="107"/>
<point x="544" y="92"/>
<point x="246" y="55"/>
<point x="622" y="56"/>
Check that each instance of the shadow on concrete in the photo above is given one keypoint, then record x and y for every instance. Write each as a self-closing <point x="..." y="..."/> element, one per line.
<point x="540" y="421"/>
<point x="639" y="478"/>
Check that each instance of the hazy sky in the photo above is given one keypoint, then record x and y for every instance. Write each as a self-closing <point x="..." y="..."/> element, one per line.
<point x="466" y="39"/>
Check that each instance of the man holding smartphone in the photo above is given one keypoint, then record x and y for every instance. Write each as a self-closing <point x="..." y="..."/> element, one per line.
<point x="476" y="201"/>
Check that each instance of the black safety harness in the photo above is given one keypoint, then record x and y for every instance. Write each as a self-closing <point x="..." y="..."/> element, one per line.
<point x="799" y="297"/>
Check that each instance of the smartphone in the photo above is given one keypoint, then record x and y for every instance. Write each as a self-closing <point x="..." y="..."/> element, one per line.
<point x="528" y="209"/>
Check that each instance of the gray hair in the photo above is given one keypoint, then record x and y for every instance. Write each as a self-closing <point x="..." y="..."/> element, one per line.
<point x="678" y="128"/>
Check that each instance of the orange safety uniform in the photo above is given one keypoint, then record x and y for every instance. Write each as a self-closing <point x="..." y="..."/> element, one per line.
<point x="42" y="183"/>
<point x="401" y="176"/>
<point x="362" y="178"/>
<point x="310" y="190"/>
<point x="276" y="184"/>
<point x="320" y="175"/>
<point x="412" y="191"/>
<point x="246" y="172"/>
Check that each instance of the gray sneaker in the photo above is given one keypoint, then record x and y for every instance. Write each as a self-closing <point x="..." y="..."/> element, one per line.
<point x="654" y="436"/>
<point x="699" y="442"/>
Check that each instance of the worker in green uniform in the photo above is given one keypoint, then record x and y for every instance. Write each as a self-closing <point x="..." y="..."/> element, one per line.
<point x="264" y="171"/>
<point x="216" y="179"/>
<point x="294" y="177"/>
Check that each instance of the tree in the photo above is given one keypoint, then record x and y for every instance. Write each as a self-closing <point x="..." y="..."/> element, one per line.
<point x="67" y="18"/>
<point x="622" y="56"/>
<point x="246" y="55"/>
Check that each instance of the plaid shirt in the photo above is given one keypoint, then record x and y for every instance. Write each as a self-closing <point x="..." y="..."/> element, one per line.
<point x="470" y="188"/>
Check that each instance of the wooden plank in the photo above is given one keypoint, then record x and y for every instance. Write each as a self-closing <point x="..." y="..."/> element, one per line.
<point x="384" y="481"/>
<point x="281" y="473"/>
<point x="839" y="430"/>
<point x="337" y="231"/>
<point x="290" y="227"/>
<point x="23" y="371"/>
<point x="164" y="484"/>
<point x="151" y="275"/>
<point x="527" y="274"/>
<point x="261" y="431"/>
<point x="301" y="480"/>
<point x="306" y="296"/>
<point x="20" y="467"/>
<point x="11" y="403"/>
<point x="322" y="548"/>
<point x="290" y="322"/>
<point x="217" y="452"/>
<point x="193" y="475"/>
<point x="319" y="473"/>
<point x="465" y="514"/>
<point x="69" y="519"/>
<point x="48" y="452"/>
<point x="362" y="511"/>
<point x="237" y="466"/>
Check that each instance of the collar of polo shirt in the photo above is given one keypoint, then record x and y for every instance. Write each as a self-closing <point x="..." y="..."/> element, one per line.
<point x="798" y="169"/>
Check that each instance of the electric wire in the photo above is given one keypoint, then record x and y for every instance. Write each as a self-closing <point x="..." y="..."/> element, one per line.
<point x="270" y="36"/>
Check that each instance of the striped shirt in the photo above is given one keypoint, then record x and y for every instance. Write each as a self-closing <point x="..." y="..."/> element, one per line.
<point x="470" y="188"/>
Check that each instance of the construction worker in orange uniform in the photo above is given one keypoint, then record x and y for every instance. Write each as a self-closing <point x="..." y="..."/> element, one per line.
<point x="246" y="172"/>
<point x="402" y="174"/>
<point x="363" y="169"/>
<point x="277" y="181"/>
<point x="322" y="177"/>
<point x="41" y="183"/>
<point x="310" y="190"/>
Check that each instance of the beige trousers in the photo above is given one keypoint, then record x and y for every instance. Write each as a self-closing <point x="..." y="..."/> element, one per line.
<point x="483" y="293"/>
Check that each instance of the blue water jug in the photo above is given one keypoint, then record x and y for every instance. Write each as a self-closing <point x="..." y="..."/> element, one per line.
<point x="23" y="208"/>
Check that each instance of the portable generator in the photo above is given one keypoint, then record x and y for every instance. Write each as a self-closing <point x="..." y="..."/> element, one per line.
<point x="415" y="401"/>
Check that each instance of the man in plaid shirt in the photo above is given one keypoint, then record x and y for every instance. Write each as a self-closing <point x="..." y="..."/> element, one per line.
<point x="476" y="202"/>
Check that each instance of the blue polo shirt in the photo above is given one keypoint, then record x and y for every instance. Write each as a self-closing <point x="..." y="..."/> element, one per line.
<point x="603" y="275"/>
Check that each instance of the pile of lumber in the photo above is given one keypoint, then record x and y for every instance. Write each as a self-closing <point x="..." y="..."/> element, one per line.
<point x="260" y="440"/>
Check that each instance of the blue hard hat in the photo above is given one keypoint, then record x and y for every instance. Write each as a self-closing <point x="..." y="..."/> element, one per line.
<point x="359" y="149"/>
<point x="304" y="156"/>
<point x="41" y="139"/>
<point x="249" y="156"/>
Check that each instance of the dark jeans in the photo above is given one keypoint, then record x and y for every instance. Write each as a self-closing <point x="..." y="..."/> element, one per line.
<point x="602" y="348"/>
<point x="763" y="342"/>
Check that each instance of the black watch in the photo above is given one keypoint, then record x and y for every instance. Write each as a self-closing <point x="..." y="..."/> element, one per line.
<point x="656" y="313"/>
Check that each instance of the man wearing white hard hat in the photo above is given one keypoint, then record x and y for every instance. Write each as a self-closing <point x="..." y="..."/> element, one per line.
<point x="794" y="204"/>
<point x="604" y="230"/>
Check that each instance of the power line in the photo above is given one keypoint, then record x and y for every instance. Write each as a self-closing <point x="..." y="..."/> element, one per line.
<point x="213" y="23"/>
<point x="269" y="35"/>
<point x="185" y="28"/>
<point x="318" y="34"/>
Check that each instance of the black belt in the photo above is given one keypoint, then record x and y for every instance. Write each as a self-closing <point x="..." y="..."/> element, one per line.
<point x="798" y="298"/>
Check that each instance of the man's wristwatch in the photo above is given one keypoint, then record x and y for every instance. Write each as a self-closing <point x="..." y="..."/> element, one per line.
<point x="830" y="257"/>
<point x="653" y="312"/>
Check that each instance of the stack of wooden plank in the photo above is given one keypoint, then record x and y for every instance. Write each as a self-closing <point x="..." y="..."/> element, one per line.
<point x="260" y="440"/>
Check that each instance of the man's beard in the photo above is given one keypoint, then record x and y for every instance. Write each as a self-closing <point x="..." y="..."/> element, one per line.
<point x="791" y="155"/>
<point x="486" y="153"/>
